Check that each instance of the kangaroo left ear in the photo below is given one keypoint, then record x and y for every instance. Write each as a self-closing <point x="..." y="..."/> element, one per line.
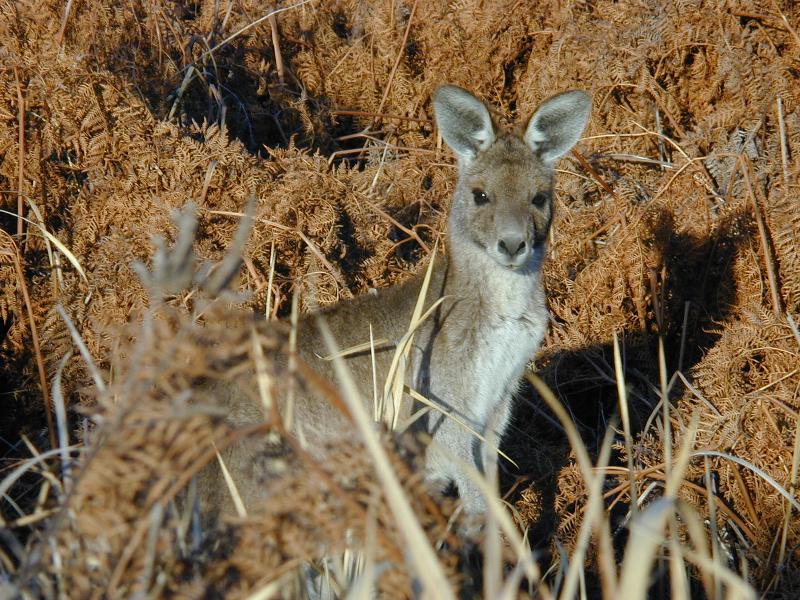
<point x="557" y="125"/>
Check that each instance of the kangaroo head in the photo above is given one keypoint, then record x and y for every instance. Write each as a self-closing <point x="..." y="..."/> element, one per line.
<point x="502" y="205"/>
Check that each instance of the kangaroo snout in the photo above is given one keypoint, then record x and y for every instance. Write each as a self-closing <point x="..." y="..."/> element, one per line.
<point x="513" y="250"/>
<point x="511" y="246"/>
<point x="514" y="243"/>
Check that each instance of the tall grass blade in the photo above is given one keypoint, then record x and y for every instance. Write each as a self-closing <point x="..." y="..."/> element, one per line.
<point x="420" y="552"/>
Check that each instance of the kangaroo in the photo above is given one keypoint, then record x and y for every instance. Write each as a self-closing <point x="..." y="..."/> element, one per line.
<point x="469" y="356"/>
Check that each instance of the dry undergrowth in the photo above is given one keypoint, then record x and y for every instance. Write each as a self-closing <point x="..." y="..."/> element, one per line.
<point x="677" y="219"/>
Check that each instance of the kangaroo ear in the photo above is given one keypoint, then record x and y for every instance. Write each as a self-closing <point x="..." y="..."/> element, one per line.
<point x="558" y="124"/>
<point x="463" y="121"/>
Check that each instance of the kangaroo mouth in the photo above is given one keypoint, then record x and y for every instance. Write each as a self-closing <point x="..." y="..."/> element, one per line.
<point x="529" y="261"/>
<point x="519" y="263"/>
<point x="517" y="267"/>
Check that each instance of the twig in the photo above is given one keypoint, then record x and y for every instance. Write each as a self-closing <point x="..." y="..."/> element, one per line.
<point x="161" y="52"/>
<point x="751" y="15"/>
<point x="82" y="348"/>
<point x="641" y="159"/>
<point x="791" y="413"/>
<point x="697" y="393"/>
<point x="795" y="466"/>
<point x="794" y="328"/>
<point x="353" y="46"/>
<point x="766" y="245"/>
<point x="748" y="501"/>
<point x="55" y="241"/>
<point x="712" y="518"/>
<point x="618" y="220"/>
<point x="239" y="32"/>
<point x="754" y="469"/>
<point x="622" y="395"/>
<point x="662" y="151"/>
<point x="338" y="153"/>
<point x="268" y="306"/>
<point x="362" y="113"/>
<point x="683" y="335"/>
<point x="311" y="246"/>
<point x="32" y="518"/>
<point x="58" y="279"/>
<point x="190" y="69"/>
<point x="276" y="46"/>
<point x="409" y="232"/>
<point x="397" y="60"/>
<point x="788" y="25"/>
<point x="175" y="33"/>
<point x="784" y="148"/>
<point x="421" y="553"/>
<point x="212" y="166"/>
<point x="676" y="124"/>
<point x="60" y="36"/>
<point x="665" y="405"/>
<point x="229" y="266"/>
<point x="61" y="421"/>
<point x="645" y="132"/>
<point x="595" y="175"/>
<point x="21" y="155"/>
<point x="682" y="168"/>
<point x="48" y="404"/>
<point x="656" y="474"/>
<point x="360" y="134"/>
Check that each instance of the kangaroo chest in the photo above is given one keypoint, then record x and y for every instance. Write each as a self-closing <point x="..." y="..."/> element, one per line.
<point x="481" y="345"/>
<point x="504" y="345"/>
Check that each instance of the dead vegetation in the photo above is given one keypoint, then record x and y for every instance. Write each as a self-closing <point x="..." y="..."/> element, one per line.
<point x="677" y="223"/>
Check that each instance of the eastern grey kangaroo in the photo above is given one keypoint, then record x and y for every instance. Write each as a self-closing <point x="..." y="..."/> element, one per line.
<point x="469" y="356"/>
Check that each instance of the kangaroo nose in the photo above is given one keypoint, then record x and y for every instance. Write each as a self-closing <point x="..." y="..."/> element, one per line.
<point x="511" y="246"/>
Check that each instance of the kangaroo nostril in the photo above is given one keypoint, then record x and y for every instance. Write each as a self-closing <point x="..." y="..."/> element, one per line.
<point x="511" y="248"/>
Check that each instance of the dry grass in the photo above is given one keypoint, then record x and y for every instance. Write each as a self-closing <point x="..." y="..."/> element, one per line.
<point x="673" y="281"/>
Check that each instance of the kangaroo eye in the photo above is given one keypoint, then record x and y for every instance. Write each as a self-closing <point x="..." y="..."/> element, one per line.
<point x="539" y="200"/>
<point x="480" y="196"/>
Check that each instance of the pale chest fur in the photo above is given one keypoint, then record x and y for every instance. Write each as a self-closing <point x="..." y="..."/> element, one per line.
<point x="507" y="337"/>
<point x="490" y="332"/>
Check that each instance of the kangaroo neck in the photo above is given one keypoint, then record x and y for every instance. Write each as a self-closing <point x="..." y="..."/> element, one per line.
<point x="471" y="274"/>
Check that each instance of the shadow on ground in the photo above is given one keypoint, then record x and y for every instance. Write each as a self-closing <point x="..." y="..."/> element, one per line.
<point x="697" y="271"/>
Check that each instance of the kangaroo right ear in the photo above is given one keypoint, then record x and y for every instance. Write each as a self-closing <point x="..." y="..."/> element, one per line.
<point x="558" y="124"/>
<point x="463" y="120"/>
